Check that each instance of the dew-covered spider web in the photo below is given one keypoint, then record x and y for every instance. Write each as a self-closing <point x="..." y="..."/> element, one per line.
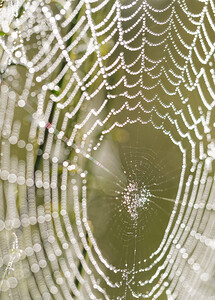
<point x="107" y="123"/>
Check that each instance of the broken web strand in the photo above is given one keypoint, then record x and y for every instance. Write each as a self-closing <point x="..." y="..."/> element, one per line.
<point x="140" y="191"/>
<point x="135" y="169"/>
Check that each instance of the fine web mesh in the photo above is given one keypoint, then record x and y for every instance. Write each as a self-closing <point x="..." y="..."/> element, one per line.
<point x="107" y="149"/>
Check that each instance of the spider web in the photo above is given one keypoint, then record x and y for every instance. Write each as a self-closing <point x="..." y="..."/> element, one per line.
<point x="107" y="149"/>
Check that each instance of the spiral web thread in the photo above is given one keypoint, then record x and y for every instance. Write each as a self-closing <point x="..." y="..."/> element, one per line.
<point x="73" y="72"/>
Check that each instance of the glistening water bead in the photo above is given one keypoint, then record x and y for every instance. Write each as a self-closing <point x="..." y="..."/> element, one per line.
<point x="134" y="198"/>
